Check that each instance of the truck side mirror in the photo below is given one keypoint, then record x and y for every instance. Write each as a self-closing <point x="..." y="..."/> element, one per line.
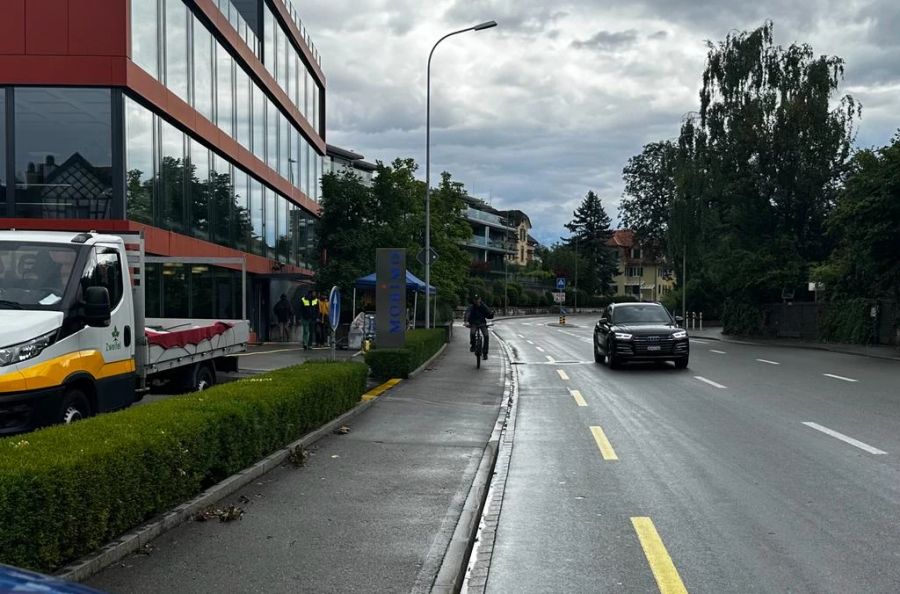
<point x="97" y="311"/>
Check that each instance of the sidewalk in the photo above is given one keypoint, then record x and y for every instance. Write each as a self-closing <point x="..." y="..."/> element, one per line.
<point x="371" y="511"/>
<point x="879" y="352"/>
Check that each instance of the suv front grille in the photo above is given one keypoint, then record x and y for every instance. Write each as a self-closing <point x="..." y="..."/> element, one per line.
<point x="653" y="344"/>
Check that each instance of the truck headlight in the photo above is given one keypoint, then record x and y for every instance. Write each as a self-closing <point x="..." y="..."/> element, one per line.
<point x="623" y="336"/>
<point x="26" y="350"/>
<point x="679" y="334"/>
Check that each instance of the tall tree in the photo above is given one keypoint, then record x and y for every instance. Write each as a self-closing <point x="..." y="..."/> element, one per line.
<point x="590" y="228"/>
<point x="650" y="194"/>
<point x="760" y="168"/>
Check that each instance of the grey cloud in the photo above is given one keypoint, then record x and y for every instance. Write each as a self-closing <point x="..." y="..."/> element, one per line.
<point x="658" y="35"/>
<point x="608" y="40"/>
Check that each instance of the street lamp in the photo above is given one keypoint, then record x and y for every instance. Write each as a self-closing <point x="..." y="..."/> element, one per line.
<point x="480" y="27"/>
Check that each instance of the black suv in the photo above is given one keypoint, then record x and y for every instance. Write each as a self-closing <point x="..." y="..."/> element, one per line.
<point x="640" y="332"/>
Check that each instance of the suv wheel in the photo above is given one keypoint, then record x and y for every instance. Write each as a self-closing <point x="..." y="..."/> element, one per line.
<point x="681" y="363"/>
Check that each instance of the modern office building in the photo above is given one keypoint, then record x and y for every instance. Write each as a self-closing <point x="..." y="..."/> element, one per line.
<point x="200" y="122"/>
<point x="338" y="160"/>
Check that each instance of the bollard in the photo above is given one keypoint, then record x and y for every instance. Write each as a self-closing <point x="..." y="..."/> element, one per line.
<point x="693" y="320"/>
<point x="562" y="320"/>
<point x="701" y="321"/>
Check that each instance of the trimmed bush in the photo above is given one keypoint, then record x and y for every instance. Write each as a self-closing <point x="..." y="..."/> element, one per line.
<point x="66" y="491"/>
<point x="421" y="345"/>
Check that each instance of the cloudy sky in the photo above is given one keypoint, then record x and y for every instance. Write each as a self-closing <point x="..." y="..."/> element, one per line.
<point x="553" y="102"/>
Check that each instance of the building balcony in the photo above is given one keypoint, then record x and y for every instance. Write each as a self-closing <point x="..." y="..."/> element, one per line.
<point x="480" y="242"/>
<point x="489" y="219"/>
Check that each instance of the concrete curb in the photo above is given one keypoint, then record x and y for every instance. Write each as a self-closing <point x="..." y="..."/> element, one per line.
<point x="135" y="539"/>
<point x="452" y="573"/>
<point x="808" y="347"/>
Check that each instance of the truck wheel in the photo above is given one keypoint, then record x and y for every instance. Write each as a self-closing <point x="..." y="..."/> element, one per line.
<point x="75" y="407"/>
<point x="204" y="377"/>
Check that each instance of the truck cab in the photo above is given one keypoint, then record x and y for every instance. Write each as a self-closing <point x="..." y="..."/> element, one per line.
<point x="67" y="332"/>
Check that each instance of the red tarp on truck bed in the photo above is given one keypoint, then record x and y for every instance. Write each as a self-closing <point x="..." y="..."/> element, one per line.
<point x="180" y="338"/>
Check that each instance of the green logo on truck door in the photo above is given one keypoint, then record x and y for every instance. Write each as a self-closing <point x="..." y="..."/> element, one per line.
<point x="115" y="345"/>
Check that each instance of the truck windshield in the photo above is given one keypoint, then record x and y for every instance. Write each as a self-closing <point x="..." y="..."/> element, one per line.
<point x="34" y="275"/>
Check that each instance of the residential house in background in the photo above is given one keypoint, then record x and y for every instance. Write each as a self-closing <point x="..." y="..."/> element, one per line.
<point x="493" y="238"/>
<point x="641" y="274"/>
<point x="525" y="245"/>
<point x="338" y="160"/>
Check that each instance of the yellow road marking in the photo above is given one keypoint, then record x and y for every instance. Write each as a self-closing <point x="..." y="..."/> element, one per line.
<point x="578" y="398"/>
<point x="376" y="392"/>
<point x="562" y="374"/>
<point x="606" y="448"/>
<point x="664" y="571"/>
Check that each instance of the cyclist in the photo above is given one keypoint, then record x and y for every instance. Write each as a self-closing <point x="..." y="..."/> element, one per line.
<point x="476" y="319"/>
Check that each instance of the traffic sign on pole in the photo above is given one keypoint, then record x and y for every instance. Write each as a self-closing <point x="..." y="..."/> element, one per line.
<point x="334" y="308"/>
<point x="561" y="284"/>
<point x="421" y="256"/>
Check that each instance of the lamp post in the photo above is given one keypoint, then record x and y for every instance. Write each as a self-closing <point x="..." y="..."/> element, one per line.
<point x="480" y="27"/>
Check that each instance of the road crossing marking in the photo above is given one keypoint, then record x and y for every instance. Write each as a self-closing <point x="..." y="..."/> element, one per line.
<point x="710" y="382"/>
<point x="840" y="377"/>
<point x="769" y="362"/>
<point x="579" y="399"/>
<point x="550" y="359"/>
<point x="563" y="375"/>
<point x="667" y="578"/>
<point x="529" y="342"/>
<point x="521" y="336"/>
<point x="716" y="352"/>
<point x="845" y="438"/>
<point x="540" y="349"/>
<point x="606" y="449"/>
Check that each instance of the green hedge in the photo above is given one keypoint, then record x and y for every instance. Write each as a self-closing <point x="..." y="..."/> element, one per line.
<point x="66" y="491"/>
<point x="847" y="321"/>
<point x="421" y="345"/>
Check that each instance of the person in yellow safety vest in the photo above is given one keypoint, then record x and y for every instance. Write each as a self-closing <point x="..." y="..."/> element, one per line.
<point x="322" y="325"/>
<point x="309" y="310"/>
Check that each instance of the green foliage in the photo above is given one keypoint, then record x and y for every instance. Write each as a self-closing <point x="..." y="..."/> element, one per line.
<point x="741" y="318"/>
<point x="744" y="195"/>
<point x="847" y="321"/>
<point x="590" y="228"/>
<point x="421" y="345"/>
<point x="866" y="223"/>
<point x="649" y="194"/>
<point x="67" y="490"/>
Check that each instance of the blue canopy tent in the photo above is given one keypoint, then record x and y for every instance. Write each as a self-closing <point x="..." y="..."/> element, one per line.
<point x="413" y="283"/>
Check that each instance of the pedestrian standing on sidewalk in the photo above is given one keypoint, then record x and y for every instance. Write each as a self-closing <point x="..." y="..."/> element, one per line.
<point x="283" y="315"/>
<point x="323" y="320"/>
<point x="309" y="310"/>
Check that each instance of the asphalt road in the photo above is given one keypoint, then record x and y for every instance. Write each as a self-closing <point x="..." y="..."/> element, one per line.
<point x="757" y="469"/>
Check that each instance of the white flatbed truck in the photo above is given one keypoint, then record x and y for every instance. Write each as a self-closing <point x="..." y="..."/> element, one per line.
<point x="74" y="340"/>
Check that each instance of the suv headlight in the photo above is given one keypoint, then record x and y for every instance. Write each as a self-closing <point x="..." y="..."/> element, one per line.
<point x="679" y="334"/>
<point x="623" y="336"/>
<point x="26" y="350"/>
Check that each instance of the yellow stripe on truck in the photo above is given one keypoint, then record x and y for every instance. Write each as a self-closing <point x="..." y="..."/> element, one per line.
<point x="52" y="373"/>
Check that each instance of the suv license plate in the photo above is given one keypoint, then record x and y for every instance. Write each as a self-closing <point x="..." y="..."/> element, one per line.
<point x="653" y="348"/>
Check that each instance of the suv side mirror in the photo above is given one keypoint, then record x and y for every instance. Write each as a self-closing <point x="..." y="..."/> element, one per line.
<point x="679" y="320"/>
<point x="97" y="311"/>
<point x="603" y="321"/>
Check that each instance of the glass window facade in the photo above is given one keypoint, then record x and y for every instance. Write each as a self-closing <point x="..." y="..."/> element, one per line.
<point x="145" y="35"/>
<point x="203" y="69"/>
<point x="176" y="21"/>
<point x="3" y="148"/>
<point x="63" y="153"/>
<point x="192" y="291"/>
<point x="176" y="183"/>
<point x="176" y="47"/>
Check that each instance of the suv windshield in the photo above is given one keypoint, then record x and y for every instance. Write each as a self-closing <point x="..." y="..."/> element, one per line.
<point x="34" y="276"/>
<point x="650" y="313"/>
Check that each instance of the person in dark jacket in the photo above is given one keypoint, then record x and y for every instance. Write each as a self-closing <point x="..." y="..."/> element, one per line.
<point x="283" y="312"/>
<point x="476" y="318"/>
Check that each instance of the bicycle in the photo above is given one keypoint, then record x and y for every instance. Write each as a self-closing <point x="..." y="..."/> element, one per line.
<point x="479" y="341"/>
